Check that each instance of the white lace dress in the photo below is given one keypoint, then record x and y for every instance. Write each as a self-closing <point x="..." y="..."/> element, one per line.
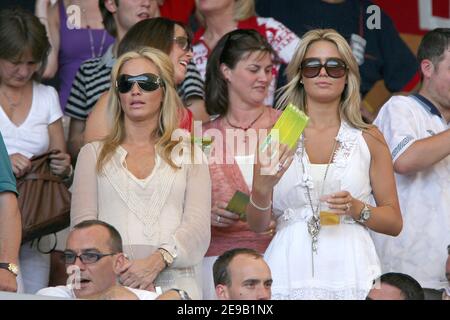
<point x="346" y="262"/>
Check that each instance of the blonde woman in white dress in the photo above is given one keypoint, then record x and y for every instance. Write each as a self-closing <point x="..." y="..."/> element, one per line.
<point x="310" y="257"/>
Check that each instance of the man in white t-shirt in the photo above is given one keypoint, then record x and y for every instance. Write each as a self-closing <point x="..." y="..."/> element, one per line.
<point x="416" y="127"/>
<point x="94" y="259"/>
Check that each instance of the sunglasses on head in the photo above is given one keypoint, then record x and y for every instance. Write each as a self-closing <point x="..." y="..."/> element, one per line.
<point x="147" y="82"/>
<point x="183" y="42"/>
<point x="335" y="68"/>
<point x="87" y="257"/>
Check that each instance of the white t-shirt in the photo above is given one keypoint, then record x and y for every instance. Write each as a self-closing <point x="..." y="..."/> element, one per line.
<point x="66" y="292"/>
<point x="421" y="248"/>
<point x="31" y="138"/>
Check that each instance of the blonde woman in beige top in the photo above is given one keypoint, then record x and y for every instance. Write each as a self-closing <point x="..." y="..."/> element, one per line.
<point x="136" y="180"/>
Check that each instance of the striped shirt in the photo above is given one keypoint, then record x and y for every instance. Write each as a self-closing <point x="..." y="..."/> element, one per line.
<point x="94" y="78"/>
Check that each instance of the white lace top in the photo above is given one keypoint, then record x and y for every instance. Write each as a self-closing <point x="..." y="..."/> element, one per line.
<point x="346" y="261"/>
<point x="166" y="210"/>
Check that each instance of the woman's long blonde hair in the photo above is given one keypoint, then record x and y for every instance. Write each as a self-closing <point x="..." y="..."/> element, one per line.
<point x="169" y="113"/>
<point x="294" y="92"/>
<point x="243" y="9"/>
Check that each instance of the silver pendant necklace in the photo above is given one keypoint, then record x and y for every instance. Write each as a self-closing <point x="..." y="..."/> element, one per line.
<point x="313" y="223"/>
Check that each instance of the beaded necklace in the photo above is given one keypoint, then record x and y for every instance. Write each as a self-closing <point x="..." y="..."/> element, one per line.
<point x="91" y="42"/>
<point x="245" y="129"/>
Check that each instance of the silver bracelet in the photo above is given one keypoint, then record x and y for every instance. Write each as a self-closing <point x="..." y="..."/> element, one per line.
<point x="258" y="207"/>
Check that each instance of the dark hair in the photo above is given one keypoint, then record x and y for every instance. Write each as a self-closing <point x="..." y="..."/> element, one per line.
<point x="410" y="288"/>
<point x="448" y="249"/>
<point x="108" y="19"/>
<point x="231" y="48"/>
<point x="221" y="273"/>
<point x="433" y="45"/>
<point x="115" y="242"/>
<point x="20" y="31"/>
<point x="156" y="32"/>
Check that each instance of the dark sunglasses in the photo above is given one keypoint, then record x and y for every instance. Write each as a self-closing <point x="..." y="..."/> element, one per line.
<point x="335" y="68"/>
<point x="147" y="82"/>
<point x="87" y="257"/>
<point x="183" y="42"/>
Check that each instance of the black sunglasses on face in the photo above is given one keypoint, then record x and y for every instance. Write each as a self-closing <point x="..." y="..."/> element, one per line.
<point x="335" y="68"/>
<point x="147" y="82"/>
<point x="183" y="42"/>
<point x="86" y="257"/>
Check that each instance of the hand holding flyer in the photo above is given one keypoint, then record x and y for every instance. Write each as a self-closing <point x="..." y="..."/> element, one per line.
<point x="289" y="127"/>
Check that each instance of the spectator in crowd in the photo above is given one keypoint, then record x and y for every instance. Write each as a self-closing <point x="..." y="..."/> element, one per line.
<point x="30" y="120"/>
<point x="417" y="132"/>
<point x="76" y="33"/>
<point x="93" y="77"/>
<point x="95" y="258"/>
<point x="10" y="226"/>
<point x="378" y="49"/>
<point x="242" y="274"/>
<point x="238" y="77"/>
<point x="219" y="17"/>
<point x="312" y="257"/>
<point x="396" y="286"/>
<point x="135" y="180"/>
<point x="160" y="33"/>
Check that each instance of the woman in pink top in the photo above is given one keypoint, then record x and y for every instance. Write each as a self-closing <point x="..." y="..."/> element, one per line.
<point x="238" y="76"/>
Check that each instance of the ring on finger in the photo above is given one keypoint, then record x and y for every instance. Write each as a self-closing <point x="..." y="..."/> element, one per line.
<point x="218" y="219"/>
<point x="280" y="167"/>
<point x="348" y="205"/>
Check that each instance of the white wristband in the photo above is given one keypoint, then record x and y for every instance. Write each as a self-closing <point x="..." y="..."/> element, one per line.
<point x="258" y="207"/>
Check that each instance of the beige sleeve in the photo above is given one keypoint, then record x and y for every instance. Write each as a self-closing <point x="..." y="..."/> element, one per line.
<point x="84" y="189"/>
<point x="191" y="239"/>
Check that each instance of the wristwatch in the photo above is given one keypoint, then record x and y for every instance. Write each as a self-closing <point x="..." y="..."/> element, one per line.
<point x="11" y="267"/>
<point x="365" y="214"/>
<point x="167" y="257"/>
<point x="183" y="294"/>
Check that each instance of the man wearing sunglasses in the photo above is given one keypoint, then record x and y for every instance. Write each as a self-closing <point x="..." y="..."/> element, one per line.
<point x="93" y="76"/>
<point x="94" y="259"/>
